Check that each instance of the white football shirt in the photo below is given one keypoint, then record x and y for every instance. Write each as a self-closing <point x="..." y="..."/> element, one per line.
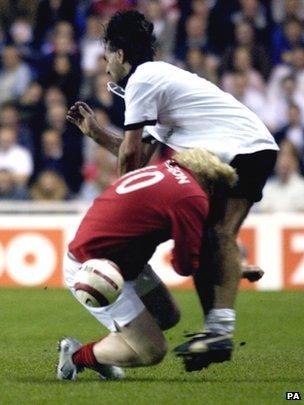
<point x="184" y="111"/>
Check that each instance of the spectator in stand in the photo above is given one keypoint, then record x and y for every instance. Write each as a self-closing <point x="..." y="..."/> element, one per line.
<point x="294" y="8"/>
<point x="287" y="37"/>
<point x="100" y="175"/>
<point x="52" y="157"/>
<point x="49" y="186"/>
<point x="62" y="40"/>
<point x="164" y="29"/>
<point x="15" y="75"/>
<point x="72" y="144"/>
<point x="65" y="77"/>
<point x="91" y="45"/>
<point x="14" y="157"/>
<point x="196" y="36"/>
<point x="30" y="104"/>
<point x="283" y="9"/>
<point x="9" y="189"/>
<point x="54" y="96"/>
<point x="245" y="37"/>
<point x="221" y="26"/>
<point x="255" y="12"/>
<point x="295" y="68"/>
<point x="49" y="12"/>
<point x="61" y="43"/>
<point x="294" y="130"/>
<point x="55" y="156"/>
<point x="10" y="117"/>
<point x="31" y="109"/>
<point x="252" y="98"/>
<point x="55" y="117"/>
<point x="89" y="149"/>
<point x="277" y="109"/>
<point x="21" y="35"/>
<point x="242" y="62"/>
<point x="285" y="191"/>
<point x="203" y="64"/>
<point x="11" y="9"/>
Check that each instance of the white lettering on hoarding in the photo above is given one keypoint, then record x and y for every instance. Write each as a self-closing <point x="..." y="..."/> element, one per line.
<point x="297" y="245"/>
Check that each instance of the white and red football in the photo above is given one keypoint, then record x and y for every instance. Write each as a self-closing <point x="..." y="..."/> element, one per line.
<point x="98" y="283"/>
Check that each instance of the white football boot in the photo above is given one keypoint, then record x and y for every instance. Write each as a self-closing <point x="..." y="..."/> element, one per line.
<point x="67" y="370"/>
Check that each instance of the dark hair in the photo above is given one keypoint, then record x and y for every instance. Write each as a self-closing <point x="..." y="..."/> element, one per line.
<point x="131" y="32"/>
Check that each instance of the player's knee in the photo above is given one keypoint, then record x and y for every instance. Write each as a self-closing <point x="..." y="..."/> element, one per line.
<point x="155" y="354"/>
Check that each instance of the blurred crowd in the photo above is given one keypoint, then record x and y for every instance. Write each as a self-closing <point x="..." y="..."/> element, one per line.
<point x="52" y="55"/>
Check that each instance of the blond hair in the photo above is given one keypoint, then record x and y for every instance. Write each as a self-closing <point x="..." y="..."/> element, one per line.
<point x="209" y="170"/>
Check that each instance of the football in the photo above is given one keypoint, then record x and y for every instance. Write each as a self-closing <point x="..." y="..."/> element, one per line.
<point x="98" y="283"/>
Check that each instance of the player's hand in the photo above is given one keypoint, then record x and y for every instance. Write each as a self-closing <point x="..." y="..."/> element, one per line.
<point x="81" y="115"/>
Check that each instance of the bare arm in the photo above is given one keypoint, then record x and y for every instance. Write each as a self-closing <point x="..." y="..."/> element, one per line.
<point x="81" y="115"/>
<point x="130" y="152"/>
<point x="147" y="151"/>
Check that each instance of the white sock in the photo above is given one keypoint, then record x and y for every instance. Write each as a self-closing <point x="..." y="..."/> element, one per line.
<point x="220" y="321"/>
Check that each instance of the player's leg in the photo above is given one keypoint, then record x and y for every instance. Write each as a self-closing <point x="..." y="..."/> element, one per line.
<point x="205" y="280"/>
<point x="227" y="252"/>
<point x="217" y="293"/>
<point x="157" y="298"/>
<point x="223" y="265"/>
<point x="67" y="346"/>
<point x="253" y="171"/>
<point x="215" y="289"/>
<point x="140" y="343"/>
<point x="133" y="331"/>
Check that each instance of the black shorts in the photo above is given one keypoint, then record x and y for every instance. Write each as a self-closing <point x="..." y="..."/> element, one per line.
<point x="253" y="170"/>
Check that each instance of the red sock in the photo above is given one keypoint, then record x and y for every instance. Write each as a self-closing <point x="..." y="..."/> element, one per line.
<point x="85" y="357"/>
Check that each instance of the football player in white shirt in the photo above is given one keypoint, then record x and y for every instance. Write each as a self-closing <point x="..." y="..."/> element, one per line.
<point x="169" y="105"/>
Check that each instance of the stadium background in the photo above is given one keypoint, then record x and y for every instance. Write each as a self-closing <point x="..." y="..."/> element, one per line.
<point x="52" y="55"/>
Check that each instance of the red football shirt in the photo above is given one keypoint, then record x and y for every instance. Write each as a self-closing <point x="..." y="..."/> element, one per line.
<point x="138" y="212"/>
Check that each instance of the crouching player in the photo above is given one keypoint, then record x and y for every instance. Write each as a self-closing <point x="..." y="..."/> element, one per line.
<point x="125" y="225"/>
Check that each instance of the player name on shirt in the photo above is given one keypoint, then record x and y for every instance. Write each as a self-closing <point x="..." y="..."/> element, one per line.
<point x="177" y="172"/>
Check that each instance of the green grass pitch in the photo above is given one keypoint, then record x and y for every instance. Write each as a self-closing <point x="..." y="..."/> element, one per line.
<point x="263" y="369"/>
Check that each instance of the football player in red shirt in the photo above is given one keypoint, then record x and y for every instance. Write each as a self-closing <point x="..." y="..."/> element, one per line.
<point x="125" y="225"/>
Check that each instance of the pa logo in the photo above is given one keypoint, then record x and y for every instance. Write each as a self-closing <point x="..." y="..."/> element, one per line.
<point x="293" y="396"/>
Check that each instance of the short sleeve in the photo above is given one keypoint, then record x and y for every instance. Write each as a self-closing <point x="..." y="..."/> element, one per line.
<point x="141" y="105"/>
